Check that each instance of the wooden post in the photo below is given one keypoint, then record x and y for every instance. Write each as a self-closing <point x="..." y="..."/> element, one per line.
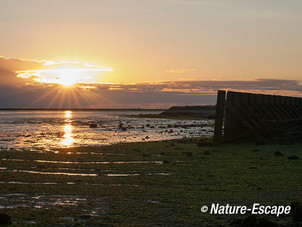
<point x="228" y="124"/>
<point x="247" y="114"/>
<point x="252" y="101"/>
<point x="294" y="108"/>
<point x="278" y="103"/>
<point x="298" y="106"/>
<point x="290" y="108"/>
<point x="232" y="126"/>
<point x="260" y="104"/>
<point x="219" y="116"/>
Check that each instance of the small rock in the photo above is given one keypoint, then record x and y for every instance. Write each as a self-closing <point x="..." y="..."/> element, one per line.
<point x="236" y="222"/>
<point x="294" y="205"/>
<point x="5" y="219"/>
<point x="60" y="134"/>
<point x="278" y="153"/>
<point x="296" y="210"/>
<point x="93" y="125"/>
<point x="203" y="143"/>
<point x="285" y="143"/>
<point x="188" y="154"/>
<point x="250" y="221"/>
<point x="206" y="152"/>
<point x="266" y="223"/>
<point x="85" y="216"/>
<point x="260" y="142"/>
<point x="293" y="157"/>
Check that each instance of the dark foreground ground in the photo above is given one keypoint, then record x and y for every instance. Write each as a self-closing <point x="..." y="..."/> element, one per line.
<point x="175" y="179"/>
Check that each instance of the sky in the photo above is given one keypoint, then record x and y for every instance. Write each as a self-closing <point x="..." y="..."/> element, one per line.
<point x="146" y="53"/>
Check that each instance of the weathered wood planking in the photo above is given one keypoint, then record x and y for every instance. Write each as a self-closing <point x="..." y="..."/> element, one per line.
<point x="219" y="116"/>
<point x="247" y="114"/>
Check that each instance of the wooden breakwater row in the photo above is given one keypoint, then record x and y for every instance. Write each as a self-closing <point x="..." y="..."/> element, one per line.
<point x="244" y="114"/>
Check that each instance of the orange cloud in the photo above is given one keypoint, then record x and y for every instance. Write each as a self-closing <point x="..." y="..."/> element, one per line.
<point x="21" y="71"/>
<point x="180" y="71"/>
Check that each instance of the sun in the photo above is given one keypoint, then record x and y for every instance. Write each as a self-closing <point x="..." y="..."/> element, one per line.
<point x="64" y="73"/>
<point x="66" y="83"/>
<point x="67" y="77"/>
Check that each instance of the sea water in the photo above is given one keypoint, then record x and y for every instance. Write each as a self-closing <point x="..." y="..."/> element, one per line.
<point x="49" y="130"/>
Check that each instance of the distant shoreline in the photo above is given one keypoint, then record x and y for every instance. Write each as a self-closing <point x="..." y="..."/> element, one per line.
<point x="74" y="109"/>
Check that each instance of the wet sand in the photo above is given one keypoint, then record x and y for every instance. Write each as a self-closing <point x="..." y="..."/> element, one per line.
<point x="153" y="183"/>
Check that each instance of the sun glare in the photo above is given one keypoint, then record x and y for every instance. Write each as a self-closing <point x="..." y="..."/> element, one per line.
<point x="67" y="114"/>
<point x="67" y="77"/>
<point x="64" y="73"/>
<point x="68" y="136"/>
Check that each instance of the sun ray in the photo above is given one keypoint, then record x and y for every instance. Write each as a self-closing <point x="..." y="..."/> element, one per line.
<point x="51" y="91"/>
<point x="62" y="98"/>
<point x="54" y="99"/>
<point x="84" y="98"/>
<point x="98" y="96"/>
<point x="75" y="96"/>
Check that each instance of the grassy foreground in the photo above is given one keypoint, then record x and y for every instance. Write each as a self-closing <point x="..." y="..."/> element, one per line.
<point x="124" y="191"/>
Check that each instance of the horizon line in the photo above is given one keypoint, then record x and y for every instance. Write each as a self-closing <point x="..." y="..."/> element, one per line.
<point x="83" y="109"/>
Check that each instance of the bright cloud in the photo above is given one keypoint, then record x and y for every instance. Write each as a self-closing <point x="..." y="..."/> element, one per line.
<point x="66" y="73"/>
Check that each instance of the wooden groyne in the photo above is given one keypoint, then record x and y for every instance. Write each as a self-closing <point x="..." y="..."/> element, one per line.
<point x="241" y="114"/>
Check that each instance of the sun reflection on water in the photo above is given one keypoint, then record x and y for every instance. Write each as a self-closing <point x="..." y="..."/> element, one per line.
<point x="68" y="139"/>
<point x="67" y="114"/>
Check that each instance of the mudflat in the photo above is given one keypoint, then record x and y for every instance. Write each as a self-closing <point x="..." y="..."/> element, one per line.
<point x="150" y="183"/>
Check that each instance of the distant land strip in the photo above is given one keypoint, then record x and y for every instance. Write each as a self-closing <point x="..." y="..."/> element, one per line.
<point x="78" y="109"/>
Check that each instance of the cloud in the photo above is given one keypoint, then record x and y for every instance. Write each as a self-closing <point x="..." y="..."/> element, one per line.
<point x="199" y="87"/>
<point x="9" y="67"/>
<point x="180" y="71"/>
<point x="17" y="72"/>
<point x="141" y="95"/>
<point x="29" y="93"/>
<point x="17" y="64"/>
